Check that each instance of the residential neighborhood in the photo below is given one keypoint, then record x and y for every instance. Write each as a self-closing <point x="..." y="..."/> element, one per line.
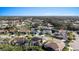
<point x="39" y="33"/>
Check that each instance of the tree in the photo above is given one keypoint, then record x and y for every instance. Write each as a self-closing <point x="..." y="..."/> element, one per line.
<point x="71" y="37"/>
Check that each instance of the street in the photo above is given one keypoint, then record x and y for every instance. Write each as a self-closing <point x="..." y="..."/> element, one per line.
<point x="75" y="43"/>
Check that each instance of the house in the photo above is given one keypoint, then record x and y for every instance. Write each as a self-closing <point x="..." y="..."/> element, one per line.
<point x="33" y="30"/>
<point x="2" y="42"/>
<point x="61" y="34"/>
<point x="36" y="41"/>
<point x="40" y="40"/>
<point x="54" y="45"/>
<point x="42" y="30"/>
<point x="4" y="25"/>
<point x="2" y="31"/>
<point x="24" y="31"/>
<point x="46" y="29"/>
<point x="19" y="41"/>
<point x="76" y="22"/>
<point x="64" y="34"/>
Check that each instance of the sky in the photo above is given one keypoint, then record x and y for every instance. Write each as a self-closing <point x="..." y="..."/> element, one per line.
<point x="39" y="11"/>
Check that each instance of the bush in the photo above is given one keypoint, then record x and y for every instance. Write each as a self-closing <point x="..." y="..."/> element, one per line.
<point x="65" y="49"/>
<point x="34" y="48"/>
<point x="8" y="47"/>
<point x="5" y="47"/>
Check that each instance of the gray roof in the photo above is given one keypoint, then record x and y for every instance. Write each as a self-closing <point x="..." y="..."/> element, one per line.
<point x="36" y="38"/>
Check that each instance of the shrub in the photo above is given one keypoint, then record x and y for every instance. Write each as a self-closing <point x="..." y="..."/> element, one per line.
<point x="8" y="47"/>
<point x="65" y="49"/>
<point x="34" y="48"/>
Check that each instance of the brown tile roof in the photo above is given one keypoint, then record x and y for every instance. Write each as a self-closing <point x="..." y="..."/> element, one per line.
<point x="55" y="44"/>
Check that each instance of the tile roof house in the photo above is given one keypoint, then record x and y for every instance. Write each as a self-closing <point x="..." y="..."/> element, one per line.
<point x="18" y="41"/>
<point x="2" y="31"/>
<point x="61" y="35"/>
<point x="55" y="45"/>
<point x="36" y="41"/>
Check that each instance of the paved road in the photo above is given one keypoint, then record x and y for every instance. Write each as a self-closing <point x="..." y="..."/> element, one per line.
<point x="75" y="44"/>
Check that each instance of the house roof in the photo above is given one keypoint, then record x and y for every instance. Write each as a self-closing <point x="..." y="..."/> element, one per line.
<point x="24" y="30"/>
<point x="2" y="30"/>
<point x="55" y="44"/>
<point x="36" y="38"/>
<point x="19" y="40"/>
